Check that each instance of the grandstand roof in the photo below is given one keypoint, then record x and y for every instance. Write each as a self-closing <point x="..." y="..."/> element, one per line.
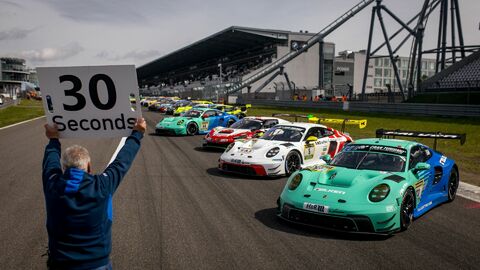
<point x="227" y="41"/>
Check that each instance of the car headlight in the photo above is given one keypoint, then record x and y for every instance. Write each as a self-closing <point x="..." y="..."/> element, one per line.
<point x="295" y="182"/>
<point x="229" y="147"/>
<point x="379" y="193"/>
<point x="180" y="122"/>
<point x="273" y="152"/>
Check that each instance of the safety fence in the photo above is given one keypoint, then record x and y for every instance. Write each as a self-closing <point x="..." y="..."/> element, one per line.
<point x="390" y="108"/>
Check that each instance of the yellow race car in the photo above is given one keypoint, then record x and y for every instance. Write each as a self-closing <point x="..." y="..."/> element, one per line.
<point x="240" y="111"/>
<point x="185" y="108"/>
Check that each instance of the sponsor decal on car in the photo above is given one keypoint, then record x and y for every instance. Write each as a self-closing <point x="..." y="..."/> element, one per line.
<point x="334" y="191"/>
<point x="425" y="206"/>
<point x="315" y="207"/>
<point x="443" y="159"/>
<point x="376" y="148"/>
<point x="320" y="168"/>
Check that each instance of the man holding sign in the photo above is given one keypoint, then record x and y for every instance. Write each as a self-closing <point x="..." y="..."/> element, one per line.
<point x="85" y="102"/>
<point x="79" y="204"/>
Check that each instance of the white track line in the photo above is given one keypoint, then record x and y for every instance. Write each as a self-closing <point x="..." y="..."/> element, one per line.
<point x="23" y="122"/>
<point x="469" y="191"/>
<point x="120" y="145"/>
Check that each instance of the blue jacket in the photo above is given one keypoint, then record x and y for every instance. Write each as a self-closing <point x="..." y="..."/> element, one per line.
<point x="79" y="207"/>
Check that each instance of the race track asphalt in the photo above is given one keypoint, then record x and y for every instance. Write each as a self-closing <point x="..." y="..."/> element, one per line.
<point x="174" y="210"/>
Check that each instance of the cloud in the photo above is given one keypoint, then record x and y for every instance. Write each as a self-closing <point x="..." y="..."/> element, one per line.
<point x="105" y="11"/>
<point x="135" y="55"/>
<point x="14" y="33"/>
<point x="10" y="3"/>
<point x="52" y="54"/>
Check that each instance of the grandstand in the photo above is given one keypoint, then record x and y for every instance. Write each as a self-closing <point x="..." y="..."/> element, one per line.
<point x="229" y="56"/>
<point x="462" y="76"/>
<point x="457" y="84"/>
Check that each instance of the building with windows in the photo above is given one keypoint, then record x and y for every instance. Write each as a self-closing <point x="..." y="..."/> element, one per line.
<point x="349" y="70"/>
<point x="384" y="73"/>
<point x="13" y="72"/>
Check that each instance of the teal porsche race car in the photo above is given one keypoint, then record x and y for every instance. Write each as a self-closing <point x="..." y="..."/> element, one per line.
<point x="372" y="186"/>
<point x="195" y="121"/>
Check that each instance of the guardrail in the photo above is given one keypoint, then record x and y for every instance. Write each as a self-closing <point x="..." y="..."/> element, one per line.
<point x="390" y="108"/>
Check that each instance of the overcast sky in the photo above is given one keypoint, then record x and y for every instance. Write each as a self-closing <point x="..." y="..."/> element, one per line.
<point x="103" y="32"/>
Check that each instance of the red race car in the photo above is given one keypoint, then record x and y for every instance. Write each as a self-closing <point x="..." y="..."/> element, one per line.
<point x="246" y="128"/>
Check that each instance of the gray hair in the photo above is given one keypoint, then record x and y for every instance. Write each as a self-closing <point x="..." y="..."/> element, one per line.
<point x="76" y="156"/>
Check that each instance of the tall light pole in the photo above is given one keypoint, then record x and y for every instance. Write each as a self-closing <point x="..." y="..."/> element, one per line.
<point x="221" y="81"/>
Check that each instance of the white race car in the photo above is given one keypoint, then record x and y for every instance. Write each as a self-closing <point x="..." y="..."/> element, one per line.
<point x="283" y="149"/>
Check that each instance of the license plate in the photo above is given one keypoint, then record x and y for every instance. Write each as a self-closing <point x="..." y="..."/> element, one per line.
<point x="315" y="207"/>
<point x="239" y="161"/>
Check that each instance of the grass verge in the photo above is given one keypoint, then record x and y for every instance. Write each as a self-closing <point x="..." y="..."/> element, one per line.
<point x="466" y="156"/>
<point x="27" y="109"/>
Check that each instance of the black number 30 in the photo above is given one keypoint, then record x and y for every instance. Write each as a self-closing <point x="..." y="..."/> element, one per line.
<point x="92" y="89"/>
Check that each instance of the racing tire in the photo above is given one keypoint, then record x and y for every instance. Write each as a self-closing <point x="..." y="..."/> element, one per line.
<point x="406" y="209"/>
<point x="192" y="129"/>
<point x="452" y="187"/>
<point x="292" y="162"/>
<point x="230" y="122"/>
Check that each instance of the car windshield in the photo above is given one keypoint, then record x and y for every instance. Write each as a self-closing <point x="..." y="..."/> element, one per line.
<point x="192" y="113"/>
<point x="248" y="124"/>
<point x="363" y="160"/>
<point x="284" y="133"/>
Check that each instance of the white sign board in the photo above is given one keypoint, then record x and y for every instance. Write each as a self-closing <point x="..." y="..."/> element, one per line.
<point x="90" y="101"/>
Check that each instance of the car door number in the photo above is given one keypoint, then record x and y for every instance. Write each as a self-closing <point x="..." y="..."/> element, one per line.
<point x="309" y="151"/>
<point x="204" y="125"/>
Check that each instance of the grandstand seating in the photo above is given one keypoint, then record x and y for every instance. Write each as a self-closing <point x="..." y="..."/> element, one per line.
<point x="462" y="76"/>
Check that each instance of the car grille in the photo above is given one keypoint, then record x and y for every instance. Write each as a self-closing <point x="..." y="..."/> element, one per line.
<point x="164" y="132"/>
<point x="238" y="169"/>
<point x="348" y="224"/>
<point x="220" y="145"/>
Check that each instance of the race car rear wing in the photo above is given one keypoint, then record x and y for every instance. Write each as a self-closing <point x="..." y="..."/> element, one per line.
<point x="296" y="116"/>
<point x="362" y="123"/>
<point x="384" y="133"/>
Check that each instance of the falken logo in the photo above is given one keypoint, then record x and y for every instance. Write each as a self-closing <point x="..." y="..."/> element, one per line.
<point x="331" y="191"/>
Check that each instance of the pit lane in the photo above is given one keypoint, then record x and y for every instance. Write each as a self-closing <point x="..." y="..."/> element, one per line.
<point x="174" y="210"/>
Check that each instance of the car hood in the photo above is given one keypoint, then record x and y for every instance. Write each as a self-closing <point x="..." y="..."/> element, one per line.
<point x="229" y="132"/>
<point x="257" y="144"/>
<point x="347" y="178"/>
<point x="173" y="120"/>
<point x="329" y="183"/>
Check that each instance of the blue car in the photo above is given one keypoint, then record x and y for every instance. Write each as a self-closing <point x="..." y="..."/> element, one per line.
<point x="195" y="121"/>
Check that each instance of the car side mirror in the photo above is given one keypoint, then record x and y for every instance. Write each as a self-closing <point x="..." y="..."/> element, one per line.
<point x="312" y="139"/>
<point x="327" y="158"/>
<point x="421" y="166"/>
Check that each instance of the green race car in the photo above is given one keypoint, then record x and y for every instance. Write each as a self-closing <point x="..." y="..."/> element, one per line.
<point x="372" y="186"/>
<point x="195" y="121"/>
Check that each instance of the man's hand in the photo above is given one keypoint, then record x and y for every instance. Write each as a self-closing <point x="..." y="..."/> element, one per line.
<point x="51" y="131"/>
<point x="140" y="125"/>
